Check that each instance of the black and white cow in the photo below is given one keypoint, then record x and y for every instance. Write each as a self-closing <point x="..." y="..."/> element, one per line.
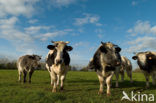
<point x="57" y="62"/>
<point x="147" y="63"/>
<point x="27" y="63"/>
<point x="126" y="65"/>
<point x="104" y="61"/>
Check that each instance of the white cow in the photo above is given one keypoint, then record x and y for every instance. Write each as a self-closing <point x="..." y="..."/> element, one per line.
<point x="57" y="63"/>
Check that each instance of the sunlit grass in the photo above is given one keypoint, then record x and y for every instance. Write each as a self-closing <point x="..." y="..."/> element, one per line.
<point x="80" y="87"/>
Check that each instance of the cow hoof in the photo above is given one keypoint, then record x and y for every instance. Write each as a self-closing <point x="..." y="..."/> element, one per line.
<point x="108" y="94"/>
<point x="61" y="89"/>
<point x="100" y="92"/>
<point x="54" y="91"/>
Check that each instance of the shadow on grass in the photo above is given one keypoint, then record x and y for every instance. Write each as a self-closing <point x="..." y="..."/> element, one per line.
<point x="139" y="84"/>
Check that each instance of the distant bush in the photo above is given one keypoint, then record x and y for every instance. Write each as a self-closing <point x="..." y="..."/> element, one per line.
<point x="6" y="64"/>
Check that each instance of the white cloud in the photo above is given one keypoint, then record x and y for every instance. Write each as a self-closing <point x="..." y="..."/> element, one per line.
<point x="142" y="44"/>
<point x="87" y="19"/>
<point x="53" y="34"/>
<point x="32" y="21"/>
<point x="36" y="29"/>
<point x="24" y="40"/>
<point x="143" y="37"/>
<point x="17" y="7"/>
<point x="21" y="40"/>
<point x="62" y="3"/>
<point x="142" y="27"/>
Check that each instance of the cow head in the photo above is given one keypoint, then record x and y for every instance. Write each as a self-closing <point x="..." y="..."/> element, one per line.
<point x="35" y="57"/>
<point x="35" y="60"/>
<point x="144" y="57"/>
<point x="60" y="48"/>
<point x="111" y="53"/>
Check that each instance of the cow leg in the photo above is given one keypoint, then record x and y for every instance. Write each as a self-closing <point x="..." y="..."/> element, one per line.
<point x="147" y="79"/>
<point x="153" y="79"/>
<point x="117" y="76"/>
<point x="58" y="80"/>
<point x="24" y="76"/>
<point x="62" y="82"/>
<point x="54" y="79"/>
<point x="101" y="80"/>
<point x="122" y="75"/>
<point x="129" y="74"/>
<point x="30" y="75"/>
<point x="108" y="82"/>
<point x="19" y="76"/>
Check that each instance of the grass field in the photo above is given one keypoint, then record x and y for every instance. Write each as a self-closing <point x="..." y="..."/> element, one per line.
<point x="80" y="87"/>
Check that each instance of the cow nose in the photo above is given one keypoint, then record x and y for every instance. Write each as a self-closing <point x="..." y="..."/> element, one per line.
<point x="58" y="61"/>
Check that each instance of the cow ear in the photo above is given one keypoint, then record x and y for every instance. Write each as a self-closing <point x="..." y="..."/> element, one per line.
<point x="51" y="47"/>
<point x="134" y="57"/>
<point x="69" y="48"/>
<point x="118" y="49"/>
<point x="103" y="49"/>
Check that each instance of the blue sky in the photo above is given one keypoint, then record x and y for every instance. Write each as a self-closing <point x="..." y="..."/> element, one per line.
<point x="28" y="26"/>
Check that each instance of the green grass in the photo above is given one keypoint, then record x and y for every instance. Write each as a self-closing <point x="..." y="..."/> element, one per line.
<point x="80" y="87"/>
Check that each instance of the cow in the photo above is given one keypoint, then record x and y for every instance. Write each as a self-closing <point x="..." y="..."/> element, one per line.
<point x="27" y="64"/>
<point x="147" y="63"/>
<point x="104" y="62"/>
<point x="125" y="66"/>
<point x="57" y="63"/>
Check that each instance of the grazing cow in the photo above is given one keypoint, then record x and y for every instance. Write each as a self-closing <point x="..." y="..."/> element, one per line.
<point x="147" y="63"/>
<point x="57" y="62"/>
<point x="104" y="61"/>
<point x="125" y="65"/>
<point x="27" y="63"/>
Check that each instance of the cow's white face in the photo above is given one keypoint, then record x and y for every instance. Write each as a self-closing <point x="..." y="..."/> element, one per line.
<point x="141" y="57"/>
<point x="59" y="48"/>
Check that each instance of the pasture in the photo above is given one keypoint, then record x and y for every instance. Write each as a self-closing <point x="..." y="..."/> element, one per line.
<point x="80" y="87"/>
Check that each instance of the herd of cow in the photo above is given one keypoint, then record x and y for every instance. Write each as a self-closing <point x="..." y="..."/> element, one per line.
<point x="106" y="62"/>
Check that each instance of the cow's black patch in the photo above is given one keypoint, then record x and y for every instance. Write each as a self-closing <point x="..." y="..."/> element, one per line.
<point x="109" y="68"/>
<point x="66" y="57"/>
<point x="51" y="58"/>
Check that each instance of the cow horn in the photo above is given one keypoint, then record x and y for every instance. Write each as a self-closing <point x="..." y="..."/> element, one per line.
<point x="52" y="41"/>
<point x="67" y="42"/>
<point x="102" y="42"/>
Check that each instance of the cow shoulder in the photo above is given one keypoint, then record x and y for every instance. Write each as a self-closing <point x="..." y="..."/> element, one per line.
<point x="96" y="62"/>
<point x="50" y="58"/>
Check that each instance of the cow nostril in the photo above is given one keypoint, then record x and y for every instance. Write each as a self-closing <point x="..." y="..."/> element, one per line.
<point x="58" y="61"/>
